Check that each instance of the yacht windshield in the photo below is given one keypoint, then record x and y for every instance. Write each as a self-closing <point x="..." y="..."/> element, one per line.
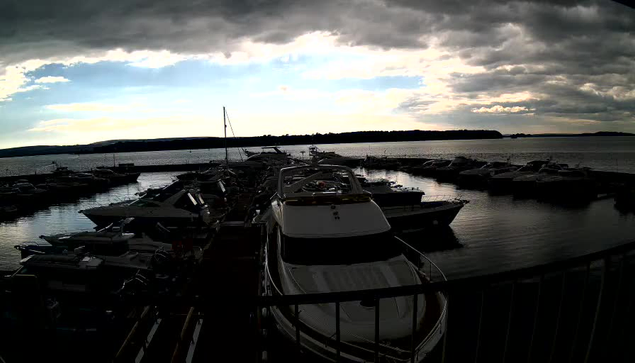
<point x="339" y="251"/>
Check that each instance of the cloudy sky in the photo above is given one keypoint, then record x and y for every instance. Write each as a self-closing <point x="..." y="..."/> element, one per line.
<point x="79" y="71"/>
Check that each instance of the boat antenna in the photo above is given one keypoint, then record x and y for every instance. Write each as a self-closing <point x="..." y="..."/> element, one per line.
<point x="225" y="131"/>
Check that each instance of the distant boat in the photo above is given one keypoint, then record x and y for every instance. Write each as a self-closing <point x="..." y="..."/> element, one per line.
<point x="330" y="157"/>
<point x="265" y="155"/>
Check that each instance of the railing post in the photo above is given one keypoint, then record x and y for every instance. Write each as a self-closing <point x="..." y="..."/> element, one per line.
<point x="555" y="334"/>
<point x="376" y="330"/>
<point x="617" y="296"/>
<point x="480" y="323"/>
<point x="447" y="324"/>
<point x="580" y="310"/>
<point x="413" y="341"/>
<point x="337" y="331"/>
<point x="297" y="327"/>
<point x="598" y="306"/>
<point x="537" y="310"/>
<point x="509" y="319"/>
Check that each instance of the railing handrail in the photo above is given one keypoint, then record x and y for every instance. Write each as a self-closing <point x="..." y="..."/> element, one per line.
<point x="470" y="282"/>
<point x="425" y="257"/>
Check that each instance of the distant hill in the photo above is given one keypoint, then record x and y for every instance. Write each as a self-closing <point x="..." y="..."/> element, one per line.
<point x="192" y="143"/>
<point x="599" y="133"/>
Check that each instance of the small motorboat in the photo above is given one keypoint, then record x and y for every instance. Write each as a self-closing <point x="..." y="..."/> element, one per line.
<point x="331" y="158"/>
<point x="459" y="164"/>
<point x="268" y="154"/>
<point x="407" y="209"/>
<point x="115" y="178"/>
<point x="432" y="212"/>
<point x="478" y="177"/>
<point x="26" y="194"/>
<point x="525" y="185"/>
<point x="503" y="182"/>
<point x="429" y="168"/>
<point x="108" y="240"/>
<point x="328" y="236"/>
<point x="572" y="185"/>
<point x="183" y="208"/>
<point x="387" y="193"/>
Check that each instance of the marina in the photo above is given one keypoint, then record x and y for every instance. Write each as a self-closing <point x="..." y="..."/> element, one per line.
<point x="152" y="272"/>
<point x="399" y="182"/>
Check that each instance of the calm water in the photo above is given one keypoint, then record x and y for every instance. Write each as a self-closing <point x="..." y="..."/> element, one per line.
<point x="601" y="153"/>
<point x="497" y="233"/>
<point x="65" y="217"/>
<point x="490" y="234"/>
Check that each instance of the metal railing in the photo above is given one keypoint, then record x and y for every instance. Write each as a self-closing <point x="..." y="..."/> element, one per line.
<point x="576" y="310"/>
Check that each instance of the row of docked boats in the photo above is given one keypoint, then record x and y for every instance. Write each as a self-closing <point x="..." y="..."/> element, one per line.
<point x="142" y="251"/>
<point x="61" y="185"/>
<point x="543" y="179"/>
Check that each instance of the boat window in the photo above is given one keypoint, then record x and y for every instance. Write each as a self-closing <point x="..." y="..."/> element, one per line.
<point x="339" y="251"/>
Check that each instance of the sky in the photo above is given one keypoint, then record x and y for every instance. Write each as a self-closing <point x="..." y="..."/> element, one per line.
<point x="82" y="71"/>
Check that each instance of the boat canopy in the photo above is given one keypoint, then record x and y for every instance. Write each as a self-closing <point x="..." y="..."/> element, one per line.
<point x="325" y="201"/>
<point x="333" y="221"/>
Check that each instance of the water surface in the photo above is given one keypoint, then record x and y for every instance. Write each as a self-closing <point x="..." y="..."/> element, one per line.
<point x="601" y="153"/>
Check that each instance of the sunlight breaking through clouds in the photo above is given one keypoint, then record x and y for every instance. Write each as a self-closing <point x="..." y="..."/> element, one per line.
<point x="475" y="63"/>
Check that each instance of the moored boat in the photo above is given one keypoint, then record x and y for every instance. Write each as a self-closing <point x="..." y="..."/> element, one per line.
<point x="179" y="209"/>
<point x="571" y="185"/>
<point x="430" y="213"/>
<point x="478" y="177"/>
<point x="459" y="164"/>
<point x="525" y="185"/>
<point x="503" y="182"/>
<point x="328" y="237"/>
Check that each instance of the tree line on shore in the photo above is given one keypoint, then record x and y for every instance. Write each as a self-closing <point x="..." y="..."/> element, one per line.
<point x="265" y="140"/>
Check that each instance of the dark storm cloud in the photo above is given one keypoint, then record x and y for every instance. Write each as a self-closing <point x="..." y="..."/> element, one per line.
<point x="577" y="56"/>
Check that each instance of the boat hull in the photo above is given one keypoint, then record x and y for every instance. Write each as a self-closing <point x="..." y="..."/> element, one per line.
<point x="426" y="215"/>
<point x="102" y="220"/>
<point x="325" y="346"/>
<point x="429" y="333"/>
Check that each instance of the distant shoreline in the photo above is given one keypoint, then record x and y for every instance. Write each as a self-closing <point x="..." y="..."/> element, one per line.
<point x="194" y="143"/>
<point x="197" y="143"/>
<point x="600" y="133"/>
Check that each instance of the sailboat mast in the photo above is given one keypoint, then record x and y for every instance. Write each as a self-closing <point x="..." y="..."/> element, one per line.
<point x="225" y="130"/>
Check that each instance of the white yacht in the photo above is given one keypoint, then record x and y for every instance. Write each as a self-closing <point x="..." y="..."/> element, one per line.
<point x="329" y="236"/>
<point x="180" y="209"/>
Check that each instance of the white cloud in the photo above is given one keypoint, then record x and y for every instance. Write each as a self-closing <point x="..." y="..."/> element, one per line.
<point x="501" y="109"/>
<point x="51" y="79"/>
<point x="114" y="124"/>
<point x="14" y="77"/>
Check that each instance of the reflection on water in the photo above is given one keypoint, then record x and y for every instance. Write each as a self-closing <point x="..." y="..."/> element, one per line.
<point x="497" y="233"/>
<point x="490" y="234"/>
<point x="65" y="217"/>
